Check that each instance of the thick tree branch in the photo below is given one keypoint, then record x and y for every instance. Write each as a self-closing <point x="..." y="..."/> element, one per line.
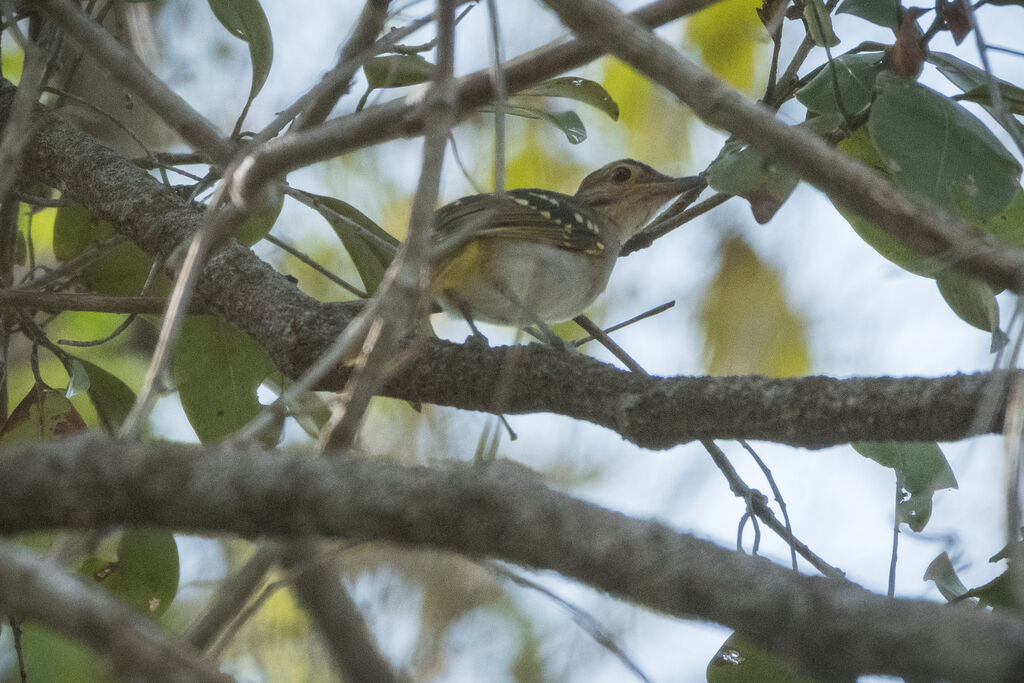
<point x="651" y="412"/>
<point x="41" y="592"/>
<point x="502" y="511"/>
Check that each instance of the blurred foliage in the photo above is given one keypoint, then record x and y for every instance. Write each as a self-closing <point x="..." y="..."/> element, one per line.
<point x="656" y="127"/>
<point x="749" y="325"/>
<point x="731" y="41"/>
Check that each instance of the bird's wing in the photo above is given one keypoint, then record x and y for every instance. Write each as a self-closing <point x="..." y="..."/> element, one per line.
<point x="526" y="214"/>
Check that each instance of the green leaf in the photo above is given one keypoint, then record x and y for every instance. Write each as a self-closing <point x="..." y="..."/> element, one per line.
<point x="74" y="229"/>
<point x="245" y="20"/>
<point x="370" y="246"/>
<point x="1008" y="224"/>
<point x="921" y="467"/>
<point x="217" y="369"/>
<point x="859" y="146"/>
<point x="397" y="71"/>
<point x="741" y="661"/>
<point x="922" y="463"/>
<point x="880" y="12"/>
<point x="50" y="658"/>
<point x="121" y="269"/>
<point x="970" y="78"/>
<point x="579" y="89"/>
<point x="43" y="414"/>
<point x="819" y="24"/>
<point x="568" y="122"/>
<point x="146" y="572"/>
<point x="855" y="77"/>
<point x="149" y="569"/>
<point x="936" y="148"/>
<point x="112" y="398"/>
<point x="1013" y="97"/>
<point x="78" y="381"/>
<point x="743" y="170"/>
<point x="974" y="302"/>
<point x="942" y="573"/>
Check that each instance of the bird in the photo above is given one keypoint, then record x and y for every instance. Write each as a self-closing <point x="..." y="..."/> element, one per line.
<point x="530" y="256"/>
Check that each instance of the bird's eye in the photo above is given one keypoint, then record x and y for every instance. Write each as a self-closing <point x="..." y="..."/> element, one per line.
<point x="621" y="174"/>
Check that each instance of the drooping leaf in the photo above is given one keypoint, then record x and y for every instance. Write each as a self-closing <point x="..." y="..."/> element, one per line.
<point x="146" y="572"/>
<point x="246" y="20"/>
<point x="880" y="12"/>
<point x="78" y="381"/>
<point x="745" y="171"/>
<point x="579" y="89"/>
<point x="957" y="20"/>
<point x="43" y="414"/>
<point x="741" y="661"/>
<point x="370" y="246"/>
<point x="148" y="563"/>
<point x="854" y="78"/>
<point x="1012" y="96"/>
<point x="397" y="71"/>
<point x="921" y="467"/>
<point x="217" y="369"/>
<point x="942" y="573"/>
<point x="111" y="397"/>
<point x="819" y="24"/>
<point x="974" y="302"/>
<point x="936" y="148"/>
<point x="970" y="78"/>
<point x="568" y="122"/>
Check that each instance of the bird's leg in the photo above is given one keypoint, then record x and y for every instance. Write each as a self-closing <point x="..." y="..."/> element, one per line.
<point x="538" y="328"/>
<point x="477" y="336"/>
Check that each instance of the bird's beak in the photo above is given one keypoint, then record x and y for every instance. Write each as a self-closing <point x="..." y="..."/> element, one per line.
<point x="689" y="185"/>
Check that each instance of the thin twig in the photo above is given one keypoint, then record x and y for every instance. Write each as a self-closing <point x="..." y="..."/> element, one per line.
<point x="312" y="263"/>
<point x="590" y="625"/>
<point x="402" y="289"/>
<point x="778" y="496"/>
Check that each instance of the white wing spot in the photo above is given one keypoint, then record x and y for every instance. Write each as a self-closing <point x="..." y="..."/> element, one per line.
<point x="521" y="201"/>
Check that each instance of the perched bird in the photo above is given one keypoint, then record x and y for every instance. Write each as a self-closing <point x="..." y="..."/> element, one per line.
<point x="531" y="256"/>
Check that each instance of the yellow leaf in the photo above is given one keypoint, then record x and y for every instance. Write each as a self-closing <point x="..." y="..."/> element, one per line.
<point x="656" y="125"/>
<point x="749" y="326"/>
<point x="729" y="36"/>
<point x="533" y="166"/>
